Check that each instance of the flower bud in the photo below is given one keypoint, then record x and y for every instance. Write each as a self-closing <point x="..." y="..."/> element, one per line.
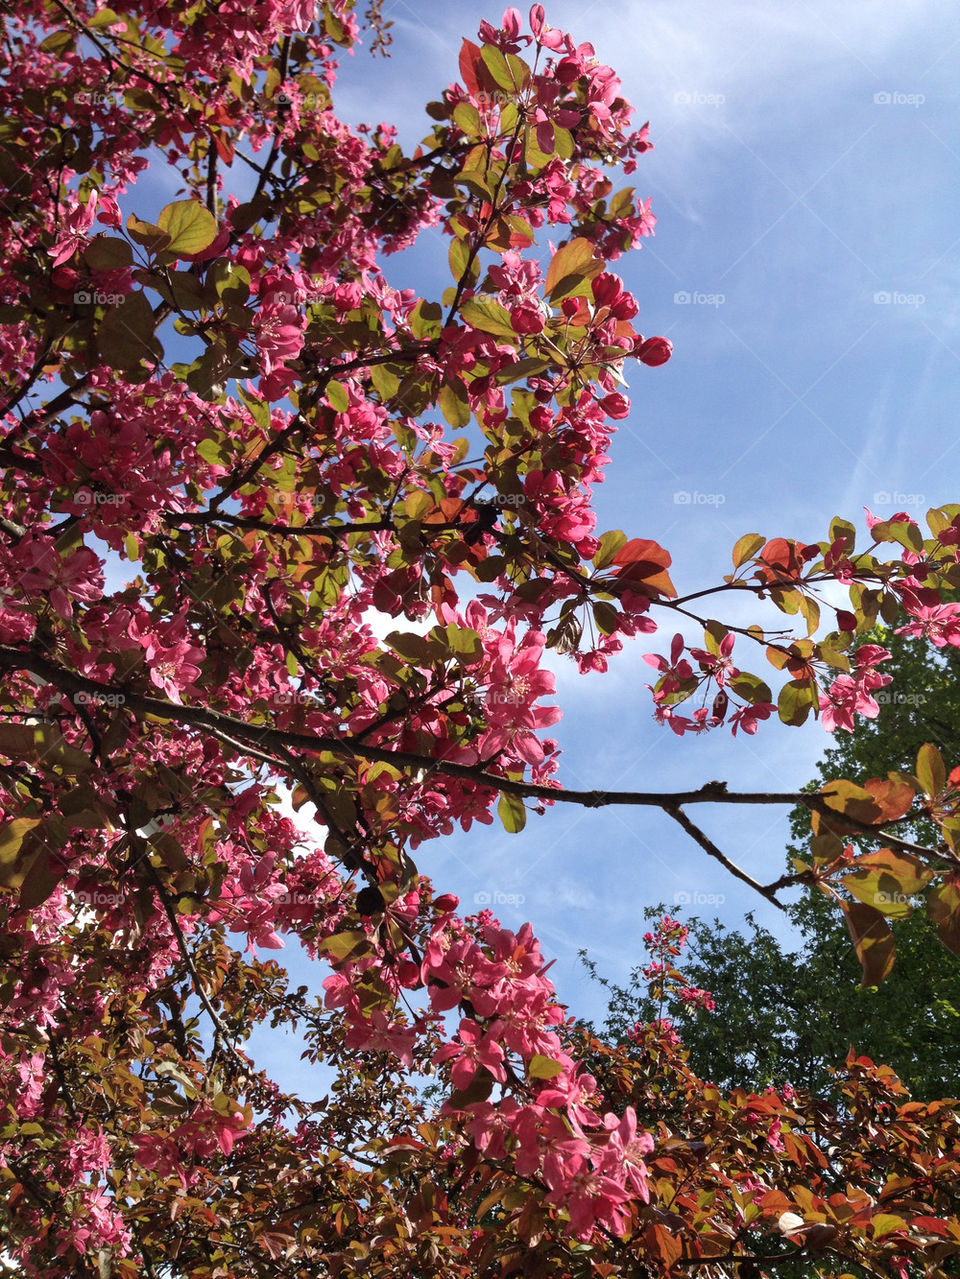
<point x="654" y="351"/>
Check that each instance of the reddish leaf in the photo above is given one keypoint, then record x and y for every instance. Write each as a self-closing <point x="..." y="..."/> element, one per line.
<point x="894" y="797"/>
<point x="471" y="58"/>
<point x="644" y="562"/>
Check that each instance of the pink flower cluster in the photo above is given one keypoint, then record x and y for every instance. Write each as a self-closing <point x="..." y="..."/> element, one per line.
<point x="850" y="695"/>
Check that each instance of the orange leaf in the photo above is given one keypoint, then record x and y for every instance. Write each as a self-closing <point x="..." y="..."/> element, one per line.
<point x="666" y="1246"/>
<point x="895" y="797"/>
<point x="645" y="563"/>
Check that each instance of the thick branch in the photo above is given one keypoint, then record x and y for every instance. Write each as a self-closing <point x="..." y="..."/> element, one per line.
<point x="241" y="735"/>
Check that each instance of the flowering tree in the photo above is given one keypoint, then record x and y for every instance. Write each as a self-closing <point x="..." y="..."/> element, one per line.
<point x="225" y="400"/>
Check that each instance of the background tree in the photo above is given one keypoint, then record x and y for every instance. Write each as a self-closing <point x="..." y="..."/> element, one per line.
<point x="788" y="1013"/>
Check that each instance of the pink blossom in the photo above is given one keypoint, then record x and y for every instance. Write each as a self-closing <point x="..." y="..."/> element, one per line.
<point x="939" y="623"/>
<point x="748" y="717"/>
<point x="628" y="1149"/>
<point x="63" y="578"/>
<point x="850" y="695"/>
<point x="474" y="1049"/>
<point x="74" y="225"/>
<point x="719" y="665"/>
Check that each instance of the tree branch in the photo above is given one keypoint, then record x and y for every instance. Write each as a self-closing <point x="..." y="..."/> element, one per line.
<point x="242" y="736"/>
<point x="709" y="847"/>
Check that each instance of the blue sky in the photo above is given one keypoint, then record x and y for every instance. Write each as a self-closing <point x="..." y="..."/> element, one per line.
<point x="805" y="267"/>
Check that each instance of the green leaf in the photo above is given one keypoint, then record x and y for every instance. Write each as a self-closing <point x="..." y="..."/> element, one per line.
<point x="797" y="699"/>
<point x="343" y="945"/>
<point x="139" y="100"/>
<point x="337" y="397"/>
<point x="107" y="253"/>
<point x="751" y="688"/>
<point x="872" y="939"/>
<point x="843" y="530"/>
<point x="105" y="18"/>
<point x="259" y="410"/>
<point x="746" y="547"/>
<point x="878" y="889"/>
<point x="42" y="744"/>
<point x="610" y="544"/>
<point x="426" y="320"/>
<point x="126" y="335"/>
<point x="810" y="611"/>
<point x="530" y="366"/>
<point x="12" y="835"/>
<point x="943" y="907"/>
<point x="410" y="645"/>
<point x="385" y="383"/>
<point x="464" y="643"/>
<point x="569" y="267"/>
<point x="488" y="316"/>
<point x="190" y="226"/>
<point x="212" y="451"/>
<point x="931" y="772"/>
<point x="853" y="801"/>
<point x="461" y="266"/>
<point x="418" y="503"/>
<point x="498" y="66"/>
<point x="58" y="42"/>
<point x="512" y="812"/>
<point x="145" y="233"/>
<point x="44" y="874"/>
<point x="467" y="119"/>
<point x="543" y="1067"/>
<point x="454" y="404"/>
<point x="606" y="617"/>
